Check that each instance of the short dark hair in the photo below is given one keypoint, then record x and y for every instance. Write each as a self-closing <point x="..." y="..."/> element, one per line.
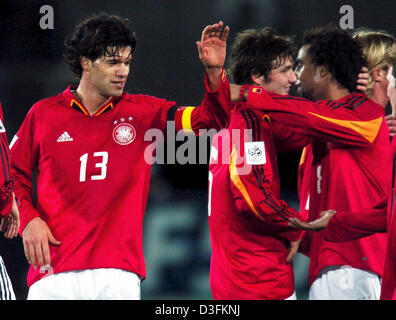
<point x="258" y="52"/>
<point x="338" y="52"/>
<point x="94" y="37"/>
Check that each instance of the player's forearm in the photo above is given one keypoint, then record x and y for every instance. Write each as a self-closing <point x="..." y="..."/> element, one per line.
<point x="23" y="189"/>
<point x="215" y="109"/>
<point x="316" y="120"/>
<point x="214" y="75"/>
<point x="27" y="213"/>
<point x="347" y="226"/>
<point x="272" y="212"/>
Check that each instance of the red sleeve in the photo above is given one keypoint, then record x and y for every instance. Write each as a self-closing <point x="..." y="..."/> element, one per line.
<point x="213" y="113"/>
<point x="346" y="226"/>
<point x="287" y="140"/>
<point x="24" y="151"/>
<point x="6" y="182"/>
<point x="352" y="120"/>
<point x="254" y="183"/>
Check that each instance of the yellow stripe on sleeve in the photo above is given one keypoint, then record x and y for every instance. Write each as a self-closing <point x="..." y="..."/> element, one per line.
<point x="186" y="119"/>
<point x="368" y="129"/>
<point x="239" y="184"/>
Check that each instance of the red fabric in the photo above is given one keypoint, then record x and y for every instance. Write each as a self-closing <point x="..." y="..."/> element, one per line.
<point x="6" y="183"/>
<point x="348" y="169"/>
<point x="345" y="226"/>
<point x="248" y="220"/>
<point x="92" y="190"/>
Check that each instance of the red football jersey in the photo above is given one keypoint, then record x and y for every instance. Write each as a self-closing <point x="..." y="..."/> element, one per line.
<point x="303" y="187"/>
<point x="347" y="170"/>
<point x="92" y="175"/>
<point x="6" y="182"/>
<point x="347" y="226"/>
<point x="247" y="219"/>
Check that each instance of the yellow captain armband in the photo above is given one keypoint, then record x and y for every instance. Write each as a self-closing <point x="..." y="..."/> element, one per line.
<point x="186" y="119"/>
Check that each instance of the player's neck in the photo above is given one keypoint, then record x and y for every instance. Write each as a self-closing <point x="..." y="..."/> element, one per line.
<point x="334" y="92"/>
<point x="378" y="95"/>
<point x="91" y="99"/>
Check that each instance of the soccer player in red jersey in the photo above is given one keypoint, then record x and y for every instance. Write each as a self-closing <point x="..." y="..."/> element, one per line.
<point x="252" y="244"/>
<point x="344" y="226"/>
<point x="83" y="237"/>
<point x="9" y="213"/>
<point x="349" y="154"/>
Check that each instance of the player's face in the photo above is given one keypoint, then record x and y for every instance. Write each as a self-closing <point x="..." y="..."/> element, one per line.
<point x="280" y="79"/>
<point x="308" y="78"/>
<point x="108" y="74"/>
<point x="391" y="87"/>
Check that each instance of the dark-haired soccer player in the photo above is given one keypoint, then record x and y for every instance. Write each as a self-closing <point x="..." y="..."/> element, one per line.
<point x="88" y="145"/>
<point x="349" y="155"/>
<point x="252" y="244"/>
<point x="347" y="226"/>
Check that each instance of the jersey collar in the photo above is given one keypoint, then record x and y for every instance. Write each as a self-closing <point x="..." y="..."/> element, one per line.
<point x="75" y="103"/>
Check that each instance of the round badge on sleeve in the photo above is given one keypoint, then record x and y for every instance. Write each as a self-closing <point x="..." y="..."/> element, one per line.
<point x="124" y="134"/>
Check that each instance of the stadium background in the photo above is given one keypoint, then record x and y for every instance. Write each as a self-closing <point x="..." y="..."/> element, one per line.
<point x="166" y="64"/>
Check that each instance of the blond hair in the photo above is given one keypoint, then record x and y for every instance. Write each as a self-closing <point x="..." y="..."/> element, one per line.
<point x="376" y="45"/>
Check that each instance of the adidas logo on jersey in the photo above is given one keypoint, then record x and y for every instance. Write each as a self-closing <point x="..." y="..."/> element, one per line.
<point x="64" y="137"/>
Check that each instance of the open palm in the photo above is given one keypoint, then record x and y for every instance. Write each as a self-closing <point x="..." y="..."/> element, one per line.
<point x="212" y="47"/>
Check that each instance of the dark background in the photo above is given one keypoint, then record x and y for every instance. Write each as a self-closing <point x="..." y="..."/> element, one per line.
<point x="166" y="65"/>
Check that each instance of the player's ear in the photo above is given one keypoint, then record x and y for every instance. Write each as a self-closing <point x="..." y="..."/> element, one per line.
<point x="85" y="63"/>
<point x="378" y="75"/>
<point x="257" y="79"/>
<point x="323" y="71"/>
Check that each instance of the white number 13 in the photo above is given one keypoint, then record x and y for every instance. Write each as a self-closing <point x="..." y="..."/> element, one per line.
<point x="102" y="165"/>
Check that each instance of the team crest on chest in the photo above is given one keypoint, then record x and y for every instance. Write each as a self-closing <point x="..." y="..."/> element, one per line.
<point x="124" y="133"/>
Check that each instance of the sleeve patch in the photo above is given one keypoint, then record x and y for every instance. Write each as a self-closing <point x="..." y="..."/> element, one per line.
<point x="255" y="153"/>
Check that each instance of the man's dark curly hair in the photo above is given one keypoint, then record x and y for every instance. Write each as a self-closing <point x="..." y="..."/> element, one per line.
<point x="95" y="37"/>
<point x="338" y="52"/>
<point x="257" y="52"/>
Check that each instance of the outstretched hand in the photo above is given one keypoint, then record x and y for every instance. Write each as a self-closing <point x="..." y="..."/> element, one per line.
<point x="316" y="225"/>
<point x="212" y="47"/>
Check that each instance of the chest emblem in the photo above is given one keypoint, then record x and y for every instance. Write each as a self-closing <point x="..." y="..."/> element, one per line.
<point x="124" y="133"/>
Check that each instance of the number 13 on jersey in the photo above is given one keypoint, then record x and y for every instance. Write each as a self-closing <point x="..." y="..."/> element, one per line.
<point x="101" y="163"/>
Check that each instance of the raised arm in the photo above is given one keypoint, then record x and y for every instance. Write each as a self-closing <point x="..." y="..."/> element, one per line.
<point x="215" y="109"/>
